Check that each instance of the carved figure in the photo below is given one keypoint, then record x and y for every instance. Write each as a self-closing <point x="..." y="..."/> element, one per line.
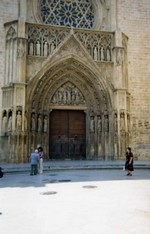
<point x="119" y="57"/>
<point x="45" y="123"/>
<point x="45" y="52"/>
<point x="19" y="120"/>
<point x="102" y="54"/>
<point x="31" y="48"/>
<point x="122" y="123"/>
<point x="95" y="53"/>
<point x="10" y="123"/>
<point x="39" y="123"/>
<point x="38" y="48"/>
<point x="33" y="122"/>
<point x="116" y="123"/>
<point x="4" y="123"/>
<point x="106" y="123"/>
<point x="92" y="124"/>
<point x="52" y="48"/>
<point x="99" y="123"/>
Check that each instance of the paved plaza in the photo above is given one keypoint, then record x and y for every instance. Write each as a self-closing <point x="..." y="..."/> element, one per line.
<point x="100" y="201"/>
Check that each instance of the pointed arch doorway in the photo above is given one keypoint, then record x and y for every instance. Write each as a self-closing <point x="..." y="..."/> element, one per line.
<point x="67" y="135"/>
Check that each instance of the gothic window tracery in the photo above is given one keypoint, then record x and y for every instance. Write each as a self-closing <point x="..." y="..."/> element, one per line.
<point x="77" y="13"/>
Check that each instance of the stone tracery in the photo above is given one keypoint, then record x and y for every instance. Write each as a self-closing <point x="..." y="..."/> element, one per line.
<point x="67" y="13"/>
<point x="43" y="41"/>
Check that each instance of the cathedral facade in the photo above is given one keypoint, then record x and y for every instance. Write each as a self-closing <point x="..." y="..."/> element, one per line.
<point x="75" y="79"/>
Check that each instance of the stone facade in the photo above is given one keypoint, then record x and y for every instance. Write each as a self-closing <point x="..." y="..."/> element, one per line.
<point x="100" y="67"/>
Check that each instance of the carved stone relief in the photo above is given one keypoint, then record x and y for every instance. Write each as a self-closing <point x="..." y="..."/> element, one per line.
<point x="43" y="41"/>
<point x="68" y="94"/>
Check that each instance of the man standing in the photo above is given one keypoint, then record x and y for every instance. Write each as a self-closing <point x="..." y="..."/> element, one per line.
<point x="34" y="160"/>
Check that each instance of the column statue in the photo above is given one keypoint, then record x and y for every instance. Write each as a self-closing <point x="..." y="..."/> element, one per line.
<point x="92" y="124"/>
<point x="39" y="123"/>
<point x="19" y="120"/>
<point x="45" y="123"/>
<point x="10" y="124"/>
<point x="33" y="122"/>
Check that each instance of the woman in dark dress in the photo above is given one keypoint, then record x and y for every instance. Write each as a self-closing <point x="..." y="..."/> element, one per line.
<point x="129" y="162"/>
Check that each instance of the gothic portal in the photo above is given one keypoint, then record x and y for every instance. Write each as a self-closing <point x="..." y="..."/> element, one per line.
<point x="66" y="82"/>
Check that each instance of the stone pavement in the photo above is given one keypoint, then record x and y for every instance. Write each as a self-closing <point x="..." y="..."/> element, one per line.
<point x="68" y="164"/>
<point x="75" y="202"/>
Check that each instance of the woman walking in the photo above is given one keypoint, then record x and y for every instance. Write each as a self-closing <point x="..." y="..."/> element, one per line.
<point x="41" y="154"/>
<point x="129" y="162"/>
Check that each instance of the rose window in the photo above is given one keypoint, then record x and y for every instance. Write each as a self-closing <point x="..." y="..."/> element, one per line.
<point x="70" y="13"/>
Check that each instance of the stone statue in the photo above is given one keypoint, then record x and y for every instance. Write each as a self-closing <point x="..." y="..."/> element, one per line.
<point x="102" y="54"/>
<point x="119" y="56"/>
<point x="92" y="124"/>
<point x="95" y="53"/>
<point x="108" y="55"/>
<point x="45" y="52"/>
<point x="31" y="49"/>
<point x="45" y="123"/>
<point x="19" y="120"/>
<point x="52" y="47"/>
<point x="116" y="123"/>
<point x="38" y="48"/>
<point x="99" y="123"/>
<point x="4" y="123"/>
<point x="39" y="124"/>
<point x="60" y="96"/>
<point x="10" y="123"/>
<point x="33" y="122"/>
<point x="122" y="123"/>
<point x="106" y="123"/>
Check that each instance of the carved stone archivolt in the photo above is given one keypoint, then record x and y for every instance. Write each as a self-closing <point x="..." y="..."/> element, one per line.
<point x="58" y="77"/>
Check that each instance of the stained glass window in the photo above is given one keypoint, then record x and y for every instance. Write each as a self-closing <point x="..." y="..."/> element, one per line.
<point x="71" y="13"/>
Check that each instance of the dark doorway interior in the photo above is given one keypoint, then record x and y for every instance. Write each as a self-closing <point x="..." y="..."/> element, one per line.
<point x="67" y="134"/>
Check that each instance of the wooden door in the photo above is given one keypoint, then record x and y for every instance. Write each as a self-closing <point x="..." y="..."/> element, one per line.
<point x="67" y="134"/>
